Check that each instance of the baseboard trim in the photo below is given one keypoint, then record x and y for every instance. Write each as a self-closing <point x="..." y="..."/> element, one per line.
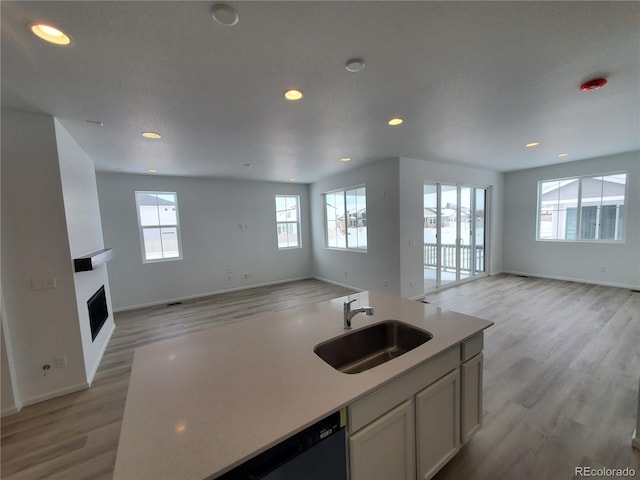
<point x="205" y="295"/>
<point x="571" y="279"/>
<point x="56" y="393"/>
<point x="338" y="284"/>
<point x="10" y="410"/>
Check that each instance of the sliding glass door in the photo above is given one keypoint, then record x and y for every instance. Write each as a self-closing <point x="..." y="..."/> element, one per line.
<point x="454" y="233"/>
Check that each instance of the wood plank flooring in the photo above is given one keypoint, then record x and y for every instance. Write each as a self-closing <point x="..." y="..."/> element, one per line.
<point x="561" y="372"/>
<point x="76" y="436"/>
<point x="561" y="376"/>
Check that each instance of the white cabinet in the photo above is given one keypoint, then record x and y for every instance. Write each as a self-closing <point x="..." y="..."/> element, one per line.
<point x="471" y="371"/>
<point x="383" y="449"/>
<point x="438" y="424"/>
<point x="410" y="428"/>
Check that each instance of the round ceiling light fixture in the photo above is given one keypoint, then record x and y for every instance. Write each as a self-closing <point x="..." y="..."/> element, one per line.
<point x="151" y="135"/>
<point x="224" y="14"/>
<point x="50" y="34"/>
<point x="293" y="94"/>
<point x="594" y="84"/>
<point x="395" y="121"/>
<point x="354" y="65"/>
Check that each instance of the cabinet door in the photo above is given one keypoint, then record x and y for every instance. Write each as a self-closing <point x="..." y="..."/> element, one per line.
<point x="471" y="397"/>
<point x="384" y="449"/>
<point x="438" y="424"/>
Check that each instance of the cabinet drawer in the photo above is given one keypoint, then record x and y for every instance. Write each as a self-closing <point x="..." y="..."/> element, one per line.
<point x="384" y="399"/>
<point x="473" y="346"/>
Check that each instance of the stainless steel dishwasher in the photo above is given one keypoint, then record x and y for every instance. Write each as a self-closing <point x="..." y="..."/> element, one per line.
<point x="319" y="452"/>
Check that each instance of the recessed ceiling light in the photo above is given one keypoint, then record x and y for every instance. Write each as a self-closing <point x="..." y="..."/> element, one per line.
<point x="152" y="170"/>
<point x="345" y="159"/>
<point x="50" y="34"/>
<point x="395" y="121"/>
<point x="354" y="65"/>
<point x="292" y="179"/>
<point x="293" y="94"/>
<point x="224" y="14"/>
<point x="532" y="144"/>
<point x="152" y="135"/>
<point x="563" y="155"/>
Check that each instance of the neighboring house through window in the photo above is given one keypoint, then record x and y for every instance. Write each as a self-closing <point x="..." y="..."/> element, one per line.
<point x="288" y="221"/>
<point x="589" y="208"/>
<point x="346" y="218"/>
<point x="159" y="226"/>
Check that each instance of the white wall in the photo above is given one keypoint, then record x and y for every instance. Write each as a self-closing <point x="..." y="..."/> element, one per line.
<point x="413" y="175"/>
<point x="84" y="229"/>
<point x="211" y="212"/>
<point x="579" y="261"/>
<point x="40" y="324"/>
<point x="379" y="267"/>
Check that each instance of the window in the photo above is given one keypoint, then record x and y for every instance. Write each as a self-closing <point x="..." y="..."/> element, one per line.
<point x="288" y="221"/>
<point x="587" y="208"/>
<point x="346" y="218"/>
<point x="159" y="227"/>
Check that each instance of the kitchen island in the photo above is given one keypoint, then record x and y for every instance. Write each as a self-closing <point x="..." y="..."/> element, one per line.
<point x="200" y="404"/>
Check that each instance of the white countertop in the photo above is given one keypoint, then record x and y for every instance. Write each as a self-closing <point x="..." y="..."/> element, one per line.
<point x="202" y="403"/>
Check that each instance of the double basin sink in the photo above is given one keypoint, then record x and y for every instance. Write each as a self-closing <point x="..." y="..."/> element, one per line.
<point x="370" y="346"/>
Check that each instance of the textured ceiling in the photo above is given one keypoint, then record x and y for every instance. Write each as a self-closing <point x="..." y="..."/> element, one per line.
<point x="474" y="81"/>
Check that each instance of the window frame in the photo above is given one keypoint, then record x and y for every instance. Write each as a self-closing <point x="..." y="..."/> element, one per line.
<point x="297" y="223"/>
<point x="142" y="228"/>
<point x="578" y="212"/>
<point x="345" y="191"/>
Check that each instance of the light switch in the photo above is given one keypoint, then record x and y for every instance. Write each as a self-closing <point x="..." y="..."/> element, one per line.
<point x="43" y="283"/>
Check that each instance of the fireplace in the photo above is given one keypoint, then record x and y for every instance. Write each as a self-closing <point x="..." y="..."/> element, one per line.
<point x="98" y="312"/>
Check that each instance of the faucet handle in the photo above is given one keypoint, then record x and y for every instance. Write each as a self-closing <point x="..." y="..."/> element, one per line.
<point x="347" y="305"/>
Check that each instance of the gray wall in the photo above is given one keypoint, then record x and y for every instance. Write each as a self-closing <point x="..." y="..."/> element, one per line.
<point x="210" y="212"/>
<point x="395" y="224"/>
<point x="579" y="261"/>
<point x="379" y="267"/>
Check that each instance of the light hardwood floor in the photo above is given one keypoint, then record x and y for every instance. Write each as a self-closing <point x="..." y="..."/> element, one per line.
<point x="561" y="376"/>
<point x="561" y="372"/>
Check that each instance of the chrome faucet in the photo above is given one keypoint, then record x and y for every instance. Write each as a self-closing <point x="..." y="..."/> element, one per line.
<point x="349" y="314"/>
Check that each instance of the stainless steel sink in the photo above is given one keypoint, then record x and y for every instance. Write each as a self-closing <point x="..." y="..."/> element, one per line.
<point x="371" y="346"/>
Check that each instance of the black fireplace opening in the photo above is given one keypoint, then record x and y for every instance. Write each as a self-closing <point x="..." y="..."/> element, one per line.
<point x="98" y="312"/>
